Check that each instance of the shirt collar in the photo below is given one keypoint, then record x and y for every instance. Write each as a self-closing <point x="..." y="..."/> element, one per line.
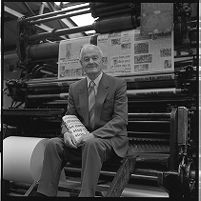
<point x="96" y="81"/>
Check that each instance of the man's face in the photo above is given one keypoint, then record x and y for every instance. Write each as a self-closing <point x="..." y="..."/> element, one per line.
<point x="91" y="61"/>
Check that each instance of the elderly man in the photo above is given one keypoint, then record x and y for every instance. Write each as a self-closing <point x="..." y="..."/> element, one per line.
<point x="100" y="102"/>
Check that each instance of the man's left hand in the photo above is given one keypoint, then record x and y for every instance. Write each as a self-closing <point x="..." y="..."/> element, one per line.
<point x="84" y="138"/>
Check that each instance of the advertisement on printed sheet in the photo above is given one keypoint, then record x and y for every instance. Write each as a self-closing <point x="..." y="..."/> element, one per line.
<point x="128" y="53"/>
<point x="118" y="51"/>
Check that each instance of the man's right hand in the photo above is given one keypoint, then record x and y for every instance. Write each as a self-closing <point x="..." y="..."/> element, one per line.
<point x="69" y="140"/>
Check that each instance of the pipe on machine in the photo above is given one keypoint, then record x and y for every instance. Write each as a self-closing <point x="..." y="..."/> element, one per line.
<point x="103" y="26"/>
<point x="50" y="50"/>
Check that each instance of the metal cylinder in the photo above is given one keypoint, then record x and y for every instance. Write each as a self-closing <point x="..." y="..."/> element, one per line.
<point x="42" y="51"/>
<point x="116" y="24"/>
<point x="49" y="96"/>
<point x="98" y="11"/>
<point x="154" y="92"/>
<point x="103" y="26"/>
<point x="49" y="50"/>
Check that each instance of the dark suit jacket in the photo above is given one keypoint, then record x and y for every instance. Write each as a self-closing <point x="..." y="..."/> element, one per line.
<point x="111" y="110"/>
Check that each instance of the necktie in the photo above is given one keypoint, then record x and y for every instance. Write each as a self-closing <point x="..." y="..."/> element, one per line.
<point x="91" y="99"/>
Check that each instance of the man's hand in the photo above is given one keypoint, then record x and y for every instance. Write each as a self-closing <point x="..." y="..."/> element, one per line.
<point x="84" y="138"/>
<point x="69" y="140"/>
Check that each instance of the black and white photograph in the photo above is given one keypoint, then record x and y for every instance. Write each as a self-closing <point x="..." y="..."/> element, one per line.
<point x="100" y="99"/>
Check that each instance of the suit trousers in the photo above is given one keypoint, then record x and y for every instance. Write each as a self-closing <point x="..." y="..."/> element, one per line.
<point x="92" y="155"/>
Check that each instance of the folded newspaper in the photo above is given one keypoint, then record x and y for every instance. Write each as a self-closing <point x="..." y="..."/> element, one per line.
<point x="75" y="126"/>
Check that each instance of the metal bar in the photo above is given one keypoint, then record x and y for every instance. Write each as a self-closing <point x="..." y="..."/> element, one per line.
<point x="31" y="188"/>
<point x="56" y="13"/>
<point x="149" y="114"/>
<point x="52" y="110"/>
<point x="19" y="15"/>
<point x="49" y="5"/>
<point x="55" y="102"/>
<point x="60" y="16"/>
<point x="45" y="81"/>
<point x="28" y="7"/>
<point x="151" y="122"/>
<point x="54" y="85"/>
<point x="155" y="91"/>
<point x="60" y="96"/>
<point x="147" y="133"/>
<point x="13" y="12"/>
<point x="47" y="85"/>
<point x="65" y="21"/>
<point x="41" y="8"/>
<point x="182" y="129"/>
<point x="156" y="172"/>
<point x="52" y="9"/>
<point x="148" y="140"/>
<point x="140" y="176"/>
<point x="62" y="32"/>
<point x="169" y="100"/>
<point x="156" y="75"/>
<point x="173" y="139"/>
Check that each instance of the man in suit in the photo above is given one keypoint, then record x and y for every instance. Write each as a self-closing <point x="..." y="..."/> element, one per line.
<point x="104" y="114"/>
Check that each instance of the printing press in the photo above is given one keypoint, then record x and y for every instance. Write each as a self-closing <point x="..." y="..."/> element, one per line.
<point x="162" y="105"/>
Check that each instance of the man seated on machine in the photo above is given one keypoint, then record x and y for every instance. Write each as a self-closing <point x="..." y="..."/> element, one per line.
<point x="100" y="103"/>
